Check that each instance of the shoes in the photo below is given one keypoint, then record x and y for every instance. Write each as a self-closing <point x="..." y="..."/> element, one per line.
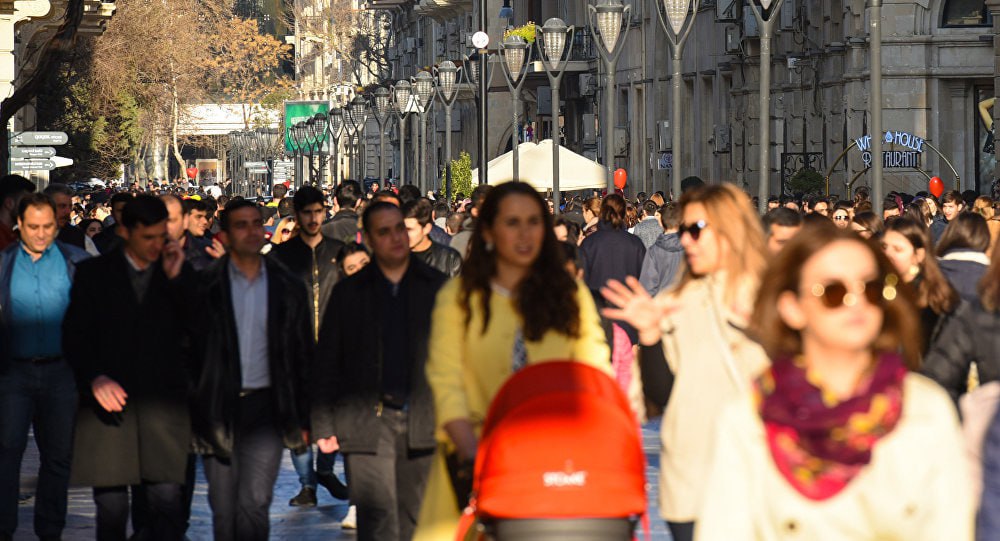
<point x="350" y="522"/>
<point x="330" y="482"/>
<point x="305" y="498"/>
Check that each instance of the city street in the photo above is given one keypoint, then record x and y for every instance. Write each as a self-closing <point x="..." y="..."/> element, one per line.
<point x="287" y="523"/>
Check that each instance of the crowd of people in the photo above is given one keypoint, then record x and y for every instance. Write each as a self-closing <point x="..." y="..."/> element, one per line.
<point x="814" y="367"/>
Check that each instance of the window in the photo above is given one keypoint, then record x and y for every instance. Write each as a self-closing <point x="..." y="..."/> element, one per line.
<point x="966" y="13"/>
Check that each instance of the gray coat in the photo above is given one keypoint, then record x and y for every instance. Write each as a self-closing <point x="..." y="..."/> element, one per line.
<point x="660" y="265"/>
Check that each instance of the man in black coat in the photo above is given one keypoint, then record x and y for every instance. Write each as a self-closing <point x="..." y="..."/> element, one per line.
<point x="133" y="426"/>
<point x="249" y="404"/>
<point x="344" y="224"/>
<point x="369" y="394"/>
<point x="417" y="217"/>
<point x="312" y="257"/>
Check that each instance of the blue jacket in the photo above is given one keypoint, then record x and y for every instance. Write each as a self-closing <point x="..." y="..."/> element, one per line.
<point x="71" y="254"/>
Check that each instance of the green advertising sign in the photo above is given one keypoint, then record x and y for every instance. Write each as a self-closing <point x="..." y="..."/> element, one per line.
<point x="300" y="111"/>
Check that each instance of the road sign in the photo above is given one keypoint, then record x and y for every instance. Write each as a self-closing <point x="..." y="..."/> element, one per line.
<point x="258" y="171"/>
<point x="255" y="165"/>
<point x="283" y="170"/>
<point x="40" y="138"/>
<point x="27" y="153"/>
<point x="32" y="165"/>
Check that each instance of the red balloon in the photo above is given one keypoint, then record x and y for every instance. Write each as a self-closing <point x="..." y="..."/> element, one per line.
<point x="621" y="177"/>
<point x="192" y="172"/>
<point x="936" y="186"/>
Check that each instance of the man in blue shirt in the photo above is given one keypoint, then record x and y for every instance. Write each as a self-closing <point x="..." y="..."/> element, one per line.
<point x="37" y="388"/>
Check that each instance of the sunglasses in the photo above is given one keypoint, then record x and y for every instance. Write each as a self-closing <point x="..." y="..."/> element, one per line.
<point x="694" y="229"/>
<point x="840" y="218"/>
<point x="837" y="294"/>
<point x="286" y="231"/>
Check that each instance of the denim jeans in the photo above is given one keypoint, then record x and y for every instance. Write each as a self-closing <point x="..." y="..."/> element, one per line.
<point x="241" y="488"/>
<point x="42" y="396"/>
<point x="303" y="464"/>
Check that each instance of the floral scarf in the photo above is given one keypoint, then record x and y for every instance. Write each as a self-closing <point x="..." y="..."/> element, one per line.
<point x="819" y="444"/>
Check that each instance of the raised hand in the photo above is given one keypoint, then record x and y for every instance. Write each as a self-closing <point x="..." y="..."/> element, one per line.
<point x="216" y="250"/>
<point x="108" y="393"/>
<point x="637" y="308"/>
<point x="173" y="259"/>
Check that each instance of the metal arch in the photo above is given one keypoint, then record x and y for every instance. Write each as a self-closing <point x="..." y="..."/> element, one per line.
<point x="829" y="173"/>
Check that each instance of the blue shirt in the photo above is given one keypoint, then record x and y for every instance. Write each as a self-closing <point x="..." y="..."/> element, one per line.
<point x="250" y="311"/>
<point x="39" y="296"/>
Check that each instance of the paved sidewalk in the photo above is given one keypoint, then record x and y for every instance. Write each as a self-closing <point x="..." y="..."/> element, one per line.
<point x="287" y="523"/>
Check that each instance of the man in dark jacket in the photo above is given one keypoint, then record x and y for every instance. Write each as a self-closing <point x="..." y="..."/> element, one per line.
<point x="62" y="196"/>
<point x="37" y="389"/>
<point x="110" y="238"/>
<point x="312" y="257"/>
<point x="344" y="224"/>
<point x="649" y="228"/>
<point x="417" y="217"/>
<point x="369" y="394"/>
<point x="253" y="346"/>
<point x="664" y="257"/>
<point x="133" y="426"/>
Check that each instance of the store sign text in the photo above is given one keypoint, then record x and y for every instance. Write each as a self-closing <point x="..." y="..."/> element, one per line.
<point x="894" y="159"/>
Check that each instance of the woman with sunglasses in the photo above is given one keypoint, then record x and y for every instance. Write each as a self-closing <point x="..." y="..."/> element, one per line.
<point x="695" y="354"/>
<point x="837" y="440"/>
<point x="284" y="231"/>
<point x="908" y="246"/>
<point x="841" y="216"/>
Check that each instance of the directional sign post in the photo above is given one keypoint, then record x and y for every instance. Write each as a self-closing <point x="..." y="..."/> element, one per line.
<point x="32" y="153"/>
<point x="32" y="165"/>
<point x="255" y="165"/>
<point x="29" y="138"/>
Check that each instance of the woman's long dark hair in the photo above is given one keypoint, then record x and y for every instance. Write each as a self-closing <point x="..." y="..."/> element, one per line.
<point x="546" y="298"/>
<point x="934" y="290"/>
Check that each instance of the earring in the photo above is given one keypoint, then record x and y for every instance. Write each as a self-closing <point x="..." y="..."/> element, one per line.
<point x="914" y="271"/>
<point x="489" y="246"/>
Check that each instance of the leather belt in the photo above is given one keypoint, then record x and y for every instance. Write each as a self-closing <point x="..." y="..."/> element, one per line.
<point x="38" y="360"/>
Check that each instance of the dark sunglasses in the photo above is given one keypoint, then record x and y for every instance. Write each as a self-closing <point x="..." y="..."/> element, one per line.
<point x="694" y="229"/>
<point x="286" y="231"/>
<point x="837" y="294"/>
<point x="841" y="218"/>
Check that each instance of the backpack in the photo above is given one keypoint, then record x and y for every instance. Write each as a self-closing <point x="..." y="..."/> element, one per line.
<point x="560" y="447"/>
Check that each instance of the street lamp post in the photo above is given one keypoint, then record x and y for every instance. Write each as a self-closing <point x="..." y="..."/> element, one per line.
<point x="606" y="22"/>
<point x="402" y="93"/>
<point x="308" y="137"/>
<point x="516" y="55"/>
<point x="447" y="75"/>
<point x="380" y="102"/>
<point x="321" y="124"/>
<point x="876" y="101"/>
<point x="674" y="18"/>
<point x="478" y="72"/>
<point x="423" y="85"/>
<point x="336" y="122"/>
<point x="552" y="48"/>
<point x="359" y="116"/>
<point x="766" y="17"/>
<point x="349" y="130"/>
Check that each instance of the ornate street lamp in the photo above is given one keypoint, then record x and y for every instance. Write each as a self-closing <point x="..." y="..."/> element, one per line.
<point x="606" y="23"/>
<point x="336" y="122"/>
<point x="423" y="87"/>
<point x="358" y="117"/>
<point x="381" y="108"/>
<point x="402" y="94"/>
<point x="875" y="103"/>
<point x="478" y="65"/>
<point x="447" y="75"/>
<point x="674" y="19"/>
<point x="321" y="126"/>
<point x="766" y="18"/>
<point x="552" y="39"/>
<point x="515" y="54"/>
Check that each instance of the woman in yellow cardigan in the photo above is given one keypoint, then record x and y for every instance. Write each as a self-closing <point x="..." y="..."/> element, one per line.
<point x="514" y="304"/>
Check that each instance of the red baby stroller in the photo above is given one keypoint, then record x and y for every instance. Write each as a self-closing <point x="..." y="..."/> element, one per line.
<point x="560" y="458"/>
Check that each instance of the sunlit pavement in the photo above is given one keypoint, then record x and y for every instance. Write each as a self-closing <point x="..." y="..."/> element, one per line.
<point x="287" y="523"/>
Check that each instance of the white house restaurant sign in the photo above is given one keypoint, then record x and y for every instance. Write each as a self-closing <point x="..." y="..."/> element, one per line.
<point x="905" y="155"/>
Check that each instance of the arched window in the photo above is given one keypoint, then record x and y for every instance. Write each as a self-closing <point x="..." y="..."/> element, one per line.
<point x="965" y="13"/>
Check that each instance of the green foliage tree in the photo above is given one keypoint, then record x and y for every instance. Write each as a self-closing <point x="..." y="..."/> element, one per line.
<point x="461" y="175"/>
<point x="807" y="182"/>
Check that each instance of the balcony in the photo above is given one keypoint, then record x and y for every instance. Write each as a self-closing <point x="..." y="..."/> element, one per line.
<point x="442" y="10"/>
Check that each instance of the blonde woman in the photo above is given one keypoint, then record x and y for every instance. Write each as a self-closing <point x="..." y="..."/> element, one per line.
<point x="286" y="230"/>
<point x="694" y="335"/>
<point x="984" y="207"/>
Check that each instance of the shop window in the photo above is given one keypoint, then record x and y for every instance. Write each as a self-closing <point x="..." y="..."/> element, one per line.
<point x="965" y="13"/>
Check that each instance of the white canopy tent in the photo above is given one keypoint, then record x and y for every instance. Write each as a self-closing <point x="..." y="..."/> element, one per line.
<point x="576" y="172"/>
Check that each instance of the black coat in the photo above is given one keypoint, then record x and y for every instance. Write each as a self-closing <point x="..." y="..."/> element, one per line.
<point x="964" y="269"/>
<point x="346" y="386"/>
<point x="970" y="335"/>
<point x="297" y="257"/>
<point x="217" y="376"/>
<point x="611" y="254"/>
<point x="107" y="331"/>
<point x="343" y="226"/>
<point x="441" y="258"/>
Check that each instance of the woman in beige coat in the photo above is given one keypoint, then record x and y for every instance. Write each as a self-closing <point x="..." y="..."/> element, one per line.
<point x="838" y="440"/>
<point x="698" y="328"/>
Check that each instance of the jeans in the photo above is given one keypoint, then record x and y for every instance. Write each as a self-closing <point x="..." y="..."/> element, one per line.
<point x="163" y="521"/>
<point x="42" y="396"/>
<point x="240" y="489"/>
<point x="303" y="463"/>
<point x="388" y="486"/>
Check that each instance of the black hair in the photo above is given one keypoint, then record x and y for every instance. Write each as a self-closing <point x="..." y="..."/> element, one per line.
<point x="408" y="194"/>
<point x="420" y="209"/>
<point x="650" y="208"/>
<point x="233" y="206"/>
<point x="782" y="216"/>
<point x="278" y="191"/>
<point x="690" y="183"/>
<point x="479" y="195"/>
<point x="441" y="210"/>
<point x="572" y="228"/>
<point x="382" y="196"/>
<point x="670" y="216"/>
<point x="347" y="194"/>
<point x="59" y="188"/>
<point x="376" y="207"/>
<point x="143" y="210"/>
<point x="12" y="185"/>
<point x="121" y="197"/>
<point x="286" y="207"/>
<point x="346" y="250"/>
<point x="191" y="205"/>
<point x="572" y="254"/>
<point x="306" y="196"/>
<point x="34" y="200"/>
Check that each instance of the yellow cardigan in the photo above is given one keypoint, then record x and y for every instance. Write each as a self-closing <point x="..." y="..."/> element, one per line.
<point x="466" y="368"/>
